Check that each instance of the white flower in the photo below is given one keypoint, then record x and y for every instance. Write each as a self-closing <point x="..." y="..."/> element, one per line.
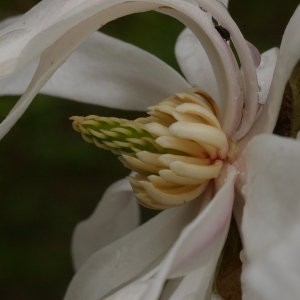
<point x="145" y="257"/>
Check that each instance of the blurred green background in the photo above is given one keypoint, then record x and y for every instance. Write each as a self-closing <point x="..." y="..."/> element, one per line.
<point x="51" y="179"/>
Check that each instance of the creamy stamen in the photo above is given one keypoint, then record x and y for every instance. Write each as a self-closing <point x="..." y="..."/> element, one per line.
<point x="176" y="151"/>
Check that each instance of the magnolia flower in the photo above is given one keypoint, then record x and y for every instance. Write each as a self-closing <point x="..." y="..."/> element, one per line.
<point x="174" y="255"/>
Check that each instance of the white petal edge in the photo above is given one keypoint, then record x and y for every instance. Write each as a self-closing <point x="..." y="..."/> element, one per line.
<point x="201" y="242"/>
<point x="116" y="215"/>
<point x="122" y="261"/>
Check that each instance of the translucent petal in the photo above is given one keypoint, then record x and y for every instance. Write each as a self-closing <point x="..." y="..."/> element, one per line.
<point x="128" y="257"/>
<point x="116" y="215"/>
<point x="201" y="242"/>
<point x="195" y="64"/>
<point x="127" y="78"/>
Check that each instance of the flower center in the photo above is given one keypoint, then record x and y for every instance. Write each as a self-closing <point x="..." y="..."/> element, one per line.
<point x="176" y="151"/>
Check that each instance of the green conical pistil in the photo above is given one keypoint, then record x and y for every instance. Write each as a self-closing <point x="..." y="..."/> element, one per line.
<point x="118" y="135"/>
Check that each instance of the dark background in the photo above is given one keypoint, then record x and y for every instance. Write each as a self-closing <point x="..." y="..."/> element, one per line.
<point x="50" y="179"/>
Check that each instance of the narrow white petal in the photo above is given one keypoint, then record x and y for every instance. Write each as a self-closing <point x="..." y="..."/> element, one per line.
<point x="288" y="57"/>
<point x="116" y="215"/>
<point x="201" y="242"/>
<point x="45" y="23"/>
<point x="134" y="291"/>
<point x="58" y="34"/>
<point x="265" y="73"/>
<point x="195" y="65"/>
<point x="250" y="85"/>
<point x="128" y="257"/>
<point x="192" y="56"/>
<point x="105" y="71"/>
<point x="228" y="81"/>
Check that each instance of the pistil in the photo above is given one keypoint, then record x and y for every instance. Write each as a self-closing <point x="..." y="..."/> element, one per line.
<point x="176" y="151"/>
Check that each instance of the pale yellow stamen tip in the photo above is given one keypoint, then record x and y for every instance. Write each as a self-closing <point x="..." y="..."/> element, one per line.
<point x="176" y="151"/>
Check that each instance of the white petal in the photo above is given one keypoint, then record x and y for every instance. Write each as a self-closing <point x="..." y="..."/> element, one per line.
<point x="188" y="287"/>
<point x="105" y="71"/>
<point x="275" y="274"/>
<point x="288" y="57"/>
<point x="128" y="257"/>
<point x="116" y="215"/>
<point x="134" y="291"/>
<point x="265" y="73"/>
<point x="225" y="2"/>
<point x="54" y="56"/>
<point x="265" y="76"/>
<point x="233" y="104"/>
<point x="272" y="192"/>
<point x="201" y="242"/>
<point x="62" y="32"/>
<point x="220" y="55"/>
<point x="44" y="24"/>
<point x="195" y="64"/>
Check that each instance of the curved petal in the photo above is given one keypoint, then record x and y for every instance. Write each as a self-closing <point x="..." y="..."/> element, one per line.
<point x="265" y="76"/>
<point x="105" y="71"/>
<point x="250" y="86"/>
<point x="265" y="73"/>
<point x="195" y="64"/>
<point x="288" y="57"/>
<point x="192" y="58"/>
<point x="76" y="20"/>
<point x="116" y="215"/>
<point x="272" y="192"/>
<point x="39" y="28"/>
<point x="130" y="256"/>
<point x="201" y="242"/>
<point x="275" y="274"/>
<point x="134" y="291"/>
<point x="54" y="56"/>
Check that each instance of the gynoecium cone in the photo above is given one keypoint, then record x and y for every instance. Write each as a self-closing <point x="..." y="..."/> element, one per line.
<point x="176" y="151"/>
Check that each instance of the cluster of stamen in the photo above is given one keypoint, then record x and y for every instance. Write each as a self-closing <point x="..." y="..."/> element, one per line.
<point x="176" y="151"/>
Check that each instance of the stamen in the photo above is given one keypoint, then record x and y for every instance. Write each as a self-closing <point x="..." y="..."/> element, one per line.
<point x="176" y="151"/>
